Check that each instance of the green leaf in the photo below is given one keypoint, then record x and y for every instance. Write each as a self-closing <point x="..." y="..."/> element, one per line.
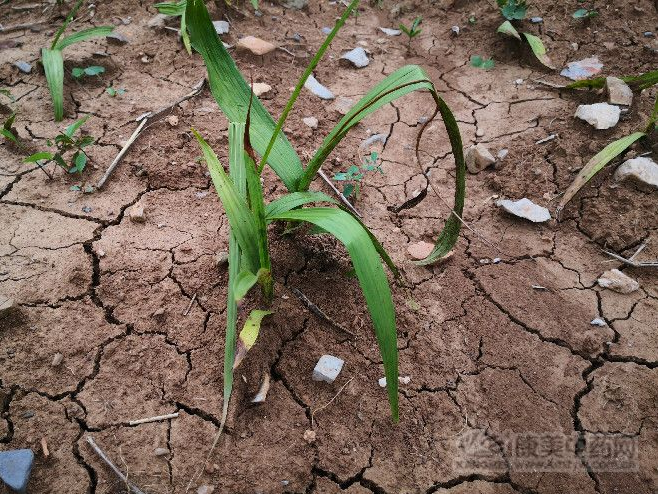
<point x="514" y="9"/>
<point x="243" y="283"/>
<point x="84" y="35"/>
<point x="293" y="201"/>
<point x="73" y="128"/>
<point x="640" y="82"/>
<point x="593" y="166"/>
<point x="79" y="162"/>
<point x="478" y="62"/>
<point x="249" y="334"/>
<point x="6" y="92"/>
<point x="94" y="70"/>
<point x="585" y="14"/>
<point x="53" y="66"/>
<point x="171" y="8"/>
<point x="539" y="50"/>
<point x="509" y="30"/>
<point x="372" y="279"/>
<point x="36" y="157"/>
<point x="66" y="22"/>
<point x="241" y="219"/>
<point x="77" y="72"/>
<point x="9" y="135"/>
<point x="232" y="94"/>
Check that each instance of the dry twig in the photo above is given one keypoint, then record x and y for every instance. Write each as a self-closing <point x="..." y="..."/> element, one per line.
<point x="132" y="487"/>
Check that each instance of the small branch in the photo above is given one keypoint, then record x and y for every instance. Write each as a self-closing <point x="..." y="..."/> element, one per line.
<point x="143" y="119"/>
<point x="631" y="260"/>
<point x="318" y="312"/>
<point x="189" y="307"/>
<point x="154" y="419"/>
<point x="131" y="487"/>
<point x="342" y="198"/>
<point x="330" y="401"/>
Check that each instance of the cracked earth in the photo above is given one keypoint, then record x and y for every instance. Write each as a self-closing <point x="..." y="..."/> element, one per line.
<point x="137" y="309"/>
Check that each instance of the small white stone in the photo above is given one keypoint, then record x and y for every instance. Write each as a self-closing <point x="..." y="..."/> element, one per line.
<point x="161" y="451"/>
<point x="420" y="250"/>
<point x="356" y="57"/>
<point x="221" y="27"/>
<point x="327" y="368"/>
<point x="478" y="158"/>
<point x="502" y="154"/>
<point x="455" y="30"/>
<point x="390" y="32"/>
<point x="618" y="92"/>
<point x="312" y="122"/>
<point x="382" y="382"/>
<point x="221" y="258"/>
<point x="57" y="359"/>
<point x="600" y="115"/>
<point x="205" y="489"/>
<point x="136" y="214"/>
<point x="261" y="88"/>
<point x="310" y="436"/>
<point x="318" y="89"/>
<point x="402" y="380"/>
<point x="643" y="170"/>
<point x="172" y="120"/>
<point x="525" y="208"/>
<point x="255" y="45"/>
<point x="618" y="282"/>
<point x="598" y="322"/>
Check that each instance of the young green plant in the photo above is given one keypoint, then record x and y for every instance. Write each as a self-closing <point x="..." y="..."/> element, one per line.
<point x="352" y="177"/>
<point x="53" y="60"/>
<point x="515" y="11"/>
<point x="241" y="191"/>
<point x="412" y="31"/>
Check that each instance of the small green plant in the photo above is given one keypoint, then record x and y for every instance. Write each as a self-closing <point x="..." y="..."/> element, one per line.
<point x="353" y="176"/>
<point x="114" y="91"/>
<point x="253" y="133"/>
<point x="412" y="31"/>
<point x="472" y="20"/>
<point x="69" y="151"/>
<point x="177" y="9"/>
<point x="92" y="70"/>
<point x="619" y="146"/>
<point x="53" y="60"/>
<point x="585" y="13"/>
<point x="482" y="63"/>
<point x="8" y="131"/>
<point x="516" y="11"/>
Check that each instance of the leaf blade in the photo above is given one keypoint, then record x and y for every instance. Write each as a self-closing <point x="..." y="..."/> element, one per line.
<point x="53" y="66"/>
<point x="538" y="48"/>
<point x="84" y="35"/>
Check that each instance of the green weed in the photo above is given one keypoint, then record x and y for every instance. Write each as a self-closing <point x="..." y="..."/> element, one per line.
<point x="516" y="11"/>
<point x="353" y="176"/>
<point x="92" y="70"/>
<point x="413" y="30"/>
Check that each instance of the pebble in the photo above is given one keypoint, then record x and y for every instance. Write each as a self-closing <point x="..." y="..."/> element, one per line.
<point x="357" y="57"/>
<point x="261" y="88"/>
<point x="420" y="250"/>
<point x="172" y="120"/>
<point x="23" y="66"/>
<point x="536" y="20"/>
<point x="205" y="489"/>
<point x="401" y="380"/>
<point x="648" y="34"/>
<point x="502" y="154"/>
<point x="327" y="368"/>
<point x="137" y="214"/>
<point x="318" y="89"/>
<point x="390" y="32"/>
<point x="525" y="208"/>
<point x="221" y="258"/>
<point x="157" y="21"/>
<point x="221" y="27"/>
<point x="326" y="30"/>
<point x="618" y="282"/>
<point x="582" y="69"/>
<point x="255" y="45"/>
<point x="455" y="30"/>
<point x="57" y="359"/>
<point x="618" y="92"/>
<point x="600" y="115"/>
<point x="310" y="436"/>
<point x="15" y="468"/>
<point x="161" y="451"/>
<point x="7" y="306"/>
<point x="643" y="170"/>
<point x="116" y="38"/>
<point x="343" y="105"/>
<point x="598" y="322"/>
<point x="478" y="158"/>
<point x="311" y="122"/>
<point x="87" y="209"/>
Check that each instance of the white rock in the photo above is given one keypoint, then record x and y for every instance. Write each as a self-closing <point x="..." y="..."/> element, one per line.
<point x="136" y="214"/>
<point x="312" y="122"/>
<point x="502" y="154"/>
<point x="221" y="258"/>
<point x="525" y="208"/>
<point x="57" y="359"/>
<point x="343" y="105"/>
<point x="390" y="32"/>
<point x="598" y="322"/>
<point x="161" y="451"/>
<point x="618" y="282"/>
<point x="318" y="89"/>
<point x="205" y="489"/>
<point x="601" y="115"/>
<point x="172" y="120"/>
<point x="327" y="368"/>
<point x="643" y="170"/>
<point x="401" y="380"/>
<point x="221" y="27"/>
<point x="455" y="30"/>
<point x="357" y="57"/>
<point x="618" y="92"/>
<point x="310" y="436"/>
<point x="420" y="250"/>
<point x="478" y="158"/>
<point x="261" y="88"/>
<point x="255" y="45"/>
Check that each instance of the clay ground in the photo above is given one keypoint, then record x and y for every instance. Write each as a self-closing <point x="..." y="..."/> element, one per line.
<point x="486" y="352"/>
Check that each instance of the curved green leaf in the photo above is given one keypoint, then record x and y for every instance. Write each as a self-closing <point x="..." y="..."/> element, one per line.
<point x="53" y="66"/>
<point x="539" y="50"/>
<point x="294" y="200"/>
<point x="171" y="8"/>
<point x="509" y="30"/>
<point x="243" y="283"/>
<point x="372" y="279"/>
<point x="249" y="334"/>
<point x="85" y="34"/>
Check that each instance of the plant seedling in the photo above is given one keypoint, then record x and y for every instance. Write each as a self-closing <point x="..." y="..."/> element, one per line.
<point x="412" y="31"/>
<point x="80" y="73"/>
<point x="114" y="92"/>
<point x="354" y="175"/>
<point x="8" y="131"/>
<point x="53" y="60"/>
<point x="513" y="9"/>
<point x="177" y="9"/>
<point x="585" y="13"/>
<point x="65" y="144"/>
<point x="482" y="63"/>
<point x="253" y="133"/>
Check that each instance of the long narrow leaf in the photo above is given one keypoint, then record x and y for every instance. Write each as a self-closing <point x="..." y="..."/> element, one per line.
<point x="66" y="22"/>
<point x="232" y="94"/>
<point x="171" y="8"/>
<point x="53" y="66"/>
<point x="593" y="166"/>
<point x="240" y="217"/>
<point x="84" y="35"/>
<point x="372" y="279"/>
<point x="293" y="201"/>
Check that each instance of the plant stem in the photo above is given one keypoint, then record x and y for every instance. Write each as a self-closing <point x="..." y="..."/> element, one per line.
<point x="67" y="21"/>
<point x="314" y="62"/>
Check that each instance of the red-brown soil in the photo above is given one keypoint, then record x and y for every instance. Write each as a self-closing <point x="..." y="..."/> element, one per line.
<point x="487" y="353"/>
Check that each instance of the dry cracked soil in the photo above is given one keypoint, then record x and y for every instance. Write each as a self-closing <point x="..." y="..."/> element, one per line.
<point x="502" y="373"/>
